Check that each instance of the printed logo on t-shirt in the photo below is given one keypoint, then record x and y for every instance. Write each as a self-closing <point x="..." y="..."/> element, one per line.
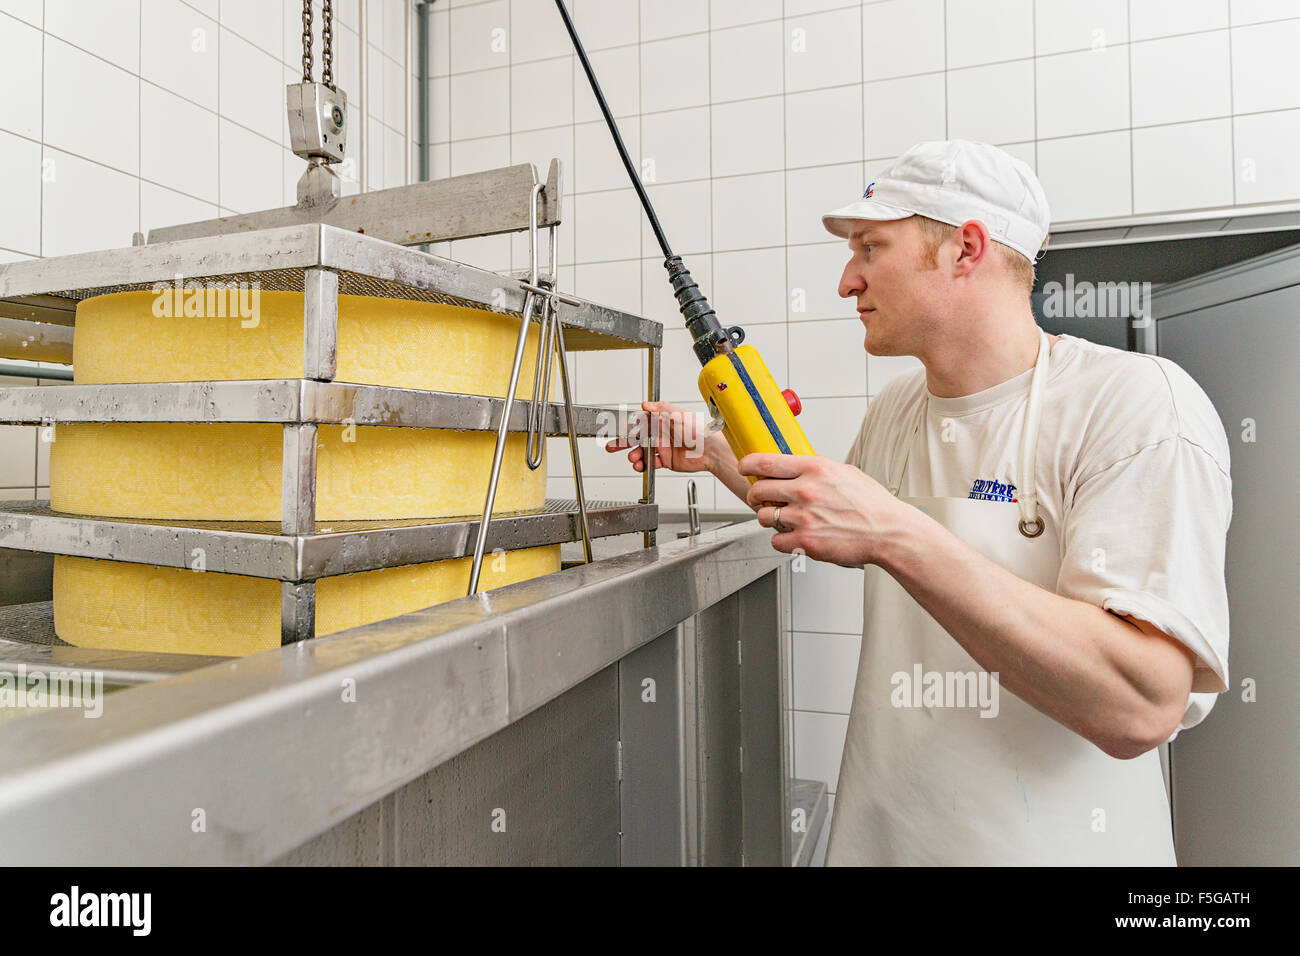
<point x="990" y="489"/>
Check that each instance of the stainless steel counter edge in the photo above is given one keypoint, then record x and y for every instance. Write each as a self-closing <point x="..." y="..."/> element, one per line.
<point x="241" y="761"/>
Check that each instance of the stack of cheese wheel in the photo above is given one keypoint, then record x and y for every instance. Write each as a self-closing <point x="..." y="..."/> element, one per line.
<point x="232" y="472"/>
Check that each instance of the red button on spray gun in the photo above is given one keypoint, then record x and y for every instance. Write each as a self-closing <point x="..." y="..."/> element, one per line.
<point x="792" y="400"/>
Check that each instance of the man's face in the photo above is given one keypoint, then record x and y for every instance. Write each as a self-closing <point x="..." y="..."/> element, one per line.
<point x="893" y="291"/>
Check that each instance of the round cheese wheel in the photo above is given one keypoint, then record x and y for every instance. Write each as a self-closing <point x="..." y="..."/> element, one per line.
<point x="141" y="607"/>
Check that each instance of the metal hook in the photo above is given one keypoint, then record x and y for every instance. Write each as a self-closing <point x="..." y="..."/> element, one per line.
<point x="503" y="426"/>
<point x="545" y="361"/>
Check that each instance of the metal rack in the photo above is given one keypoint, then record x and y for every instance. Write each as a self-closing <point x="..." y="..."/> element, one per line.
<point x="322" y="250"/>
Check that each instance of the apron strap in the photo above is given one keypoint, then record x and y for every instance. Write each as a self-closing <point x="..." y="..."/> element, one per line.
<point x="1031" y="525"/>
<point x="904" y="452"/>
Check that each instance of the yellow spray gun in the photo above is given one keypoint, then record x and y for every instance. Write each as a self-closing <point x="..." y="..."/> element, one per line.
<point x="739" y="391"/>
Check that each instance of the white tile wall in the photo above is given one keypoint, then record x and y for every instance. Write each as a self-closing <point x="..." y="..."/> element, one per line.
<point x="904" y="111"/>
<point x="1203" y="151"/>
<point x="1159" y="18"/>
<point x="1182" y="78"/>
<point x="78" y="89"/>
<point x="1266" y="146"/>
<point x="827" y="360"/>
<point x="813" y="274"/>
<point x="71" y="188"/>
<point x="107" y="28"/>
<point x="824" y="127"/>
<point x="20" y="200"/>
<point x="1062" y="26"/>
<point x="178" y="143"/>
<point x="675" y="145"/>
<point x="1084" y="92"/>
<point x="730" y="13"/>
<point x="180" y="50"/>
<point x="20" y="69"/>
<point x="749" y="211"/>
<point x="823" y="50"/>
<point x="607" y="23"/>
<point x="620" y="81"/>
<point x="750" y="284"/>
<point x="28" y="11"/>
<point x="748" y="136"/>
<point x="479" y="36"/>
<point x="745" y="62"/>
<point x="667" y="18"/>
<point x="541" y="94"/>
<point x="473" y="155"/>
<point x="596" y="165"/>
<point x="989" y="31"/>
<point x="824" y="668"/>
<point x="480" y="104"/>
<point x="1087" y="177"/>
<point x="1255" y="89"/>
<point x="810" y="192"/>
<point x="921" y="21"/>
<point x="678" y="207"/>
<point x="818" y="744"/>
<point x="1259" y="11"/>
<point x="536" y="32"/>
<point x="993" y="104"/>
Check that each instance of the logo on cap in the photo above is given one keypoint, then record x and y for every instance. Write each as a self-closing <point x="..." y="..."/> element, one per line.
<point x="867" y="194"/>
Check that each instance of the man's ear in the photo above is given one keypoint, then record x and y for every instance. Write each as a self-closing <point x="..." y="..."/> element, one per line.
<point x="973" y="245"/>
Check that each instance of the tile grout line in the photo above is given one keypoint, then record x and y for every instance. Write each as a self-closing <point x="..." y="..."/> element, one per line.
<point x="1034" y="47"/>
<point x="1232" y="112"/>
<point x="785" y="179"/>
<point x="139" y="124"/>
<point x="862" y="40"/>
<point x="220" y="204"/>
<point x="1132" y="158"/>
<point x="36" y="434"/>
<point x="644" y="358"/>
<point x="1073" y="51"/>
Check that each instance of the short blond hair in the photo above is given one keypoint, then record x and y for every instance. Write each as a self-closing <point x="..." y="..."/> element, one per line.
<point x="933" y="234"/>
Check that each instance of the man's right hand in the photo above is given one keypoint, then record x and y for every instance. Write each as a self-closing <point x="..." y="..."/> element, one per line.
<point x="683" y="443"/>
<point x="680" y="439"/>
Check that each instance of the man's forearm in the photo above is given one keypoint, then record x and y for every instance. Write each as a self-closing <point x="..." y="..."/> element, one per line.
<point x="1082" y="666"/>
<point x="722" y="463"/>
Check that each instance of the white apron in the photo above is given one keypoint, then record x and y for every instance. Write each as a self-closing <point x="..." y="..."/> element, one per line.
<point x="932" y="783"/>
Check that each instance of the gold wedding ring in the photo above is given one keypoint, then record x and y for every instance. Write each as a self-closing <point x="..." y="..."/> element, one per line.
<point x="776" y="521"/>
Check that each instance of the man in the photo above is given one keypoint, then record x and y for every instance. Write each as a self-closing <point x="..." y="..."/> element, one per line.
<point x="1035" y="514"/>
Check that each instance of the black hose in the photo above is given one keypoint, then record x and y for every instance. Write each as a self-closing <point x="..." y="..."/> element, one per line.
<point x="708" y="335"/>
<point x="613" y="128"/>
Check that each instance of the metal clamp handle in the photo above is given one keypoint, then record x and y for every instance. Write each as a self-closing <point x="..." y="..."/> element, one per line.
<point x="503" y="426"/>
<point x="545" y="360"/>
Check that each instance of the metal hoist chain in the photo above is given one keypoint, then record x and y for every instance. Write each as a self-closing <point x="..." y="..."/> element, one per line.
<point x="327" y="43"/>
<point x="306" y="41"/>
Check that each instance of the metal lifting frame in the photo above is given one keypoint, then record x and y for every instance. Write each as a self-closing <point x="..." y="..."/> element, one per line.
<point x="315" y="245"/>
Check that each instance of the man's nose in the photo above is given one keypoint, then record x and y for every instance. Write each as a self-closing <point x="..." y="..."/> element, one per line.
<point x="851" y="282"/>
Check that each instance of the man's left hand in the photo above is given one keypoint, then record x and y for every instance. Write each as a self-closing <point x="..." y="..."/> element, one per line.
<point x="837" y="512"/>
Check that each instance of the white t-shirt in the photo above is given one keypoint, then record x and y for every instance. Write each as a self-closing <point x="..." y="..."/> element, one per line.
<point x="1132" y="468"/>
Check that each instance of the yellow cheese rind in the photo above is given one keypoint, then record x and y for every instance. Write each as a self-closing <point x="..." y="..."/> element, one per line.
<point x="407" y="344"/>
<point x="116" y="605"/>
<point x="231" y="472"/>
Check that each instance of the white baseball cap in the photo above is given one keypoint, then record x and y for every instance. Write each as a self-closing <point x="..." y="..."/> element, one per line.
<point x="954" y="181"/>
